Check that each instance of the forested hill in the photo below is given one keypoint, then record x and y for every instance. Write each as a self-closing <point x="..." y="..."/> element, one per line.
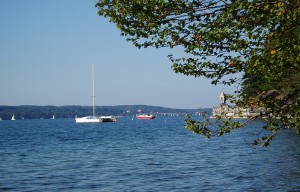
<point x="37" y="112"/>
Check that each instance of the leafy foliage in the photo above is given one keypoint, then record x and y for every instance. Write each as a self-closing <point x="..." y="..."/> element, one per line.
<point x="260" y="39"/>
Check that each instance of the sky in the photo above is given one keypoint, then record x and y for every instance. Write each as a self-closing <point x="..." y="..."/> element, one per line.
<point x="47" y="49"/>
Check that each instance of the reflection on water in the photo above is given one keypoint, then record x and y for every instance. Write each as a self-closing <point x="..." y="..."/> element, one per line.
<point x="132" y="155"/>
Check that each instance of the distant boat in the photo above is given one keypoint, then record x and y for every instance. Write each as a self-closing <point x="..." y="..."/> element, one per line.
<point x="107" y="119"/>
<point x="94" y="118"/>
<point x="13" y="117"/>
<point x="145" y="116"/>
<point x="53" y="117"/>
<point x="87" y="119"/>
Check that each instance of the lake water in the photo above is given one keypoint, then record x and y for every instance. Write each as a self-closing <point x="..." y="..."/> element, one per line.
<point x="141" y="155"/>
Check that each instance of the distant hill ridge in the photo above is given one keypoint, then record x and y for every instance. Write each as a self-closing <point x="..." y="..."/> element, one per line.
<point x="70" y="111"/>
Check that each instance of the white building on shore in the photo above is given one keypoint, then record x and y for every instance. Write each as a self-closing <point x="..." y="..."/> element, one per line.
<point x="226" y="111"/>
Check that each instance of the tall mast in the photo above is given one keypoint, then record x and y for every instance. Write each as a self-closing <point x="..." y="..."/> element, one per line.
<point x="93" y="75"/>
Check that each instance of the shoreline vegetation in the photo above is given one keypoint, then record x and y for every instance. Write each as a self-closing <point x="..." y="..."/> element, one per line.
<point x="70" y="111"/>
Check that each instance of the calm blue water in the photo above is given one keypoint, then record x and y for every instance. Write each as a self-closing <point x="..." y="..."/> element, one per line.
<point x="149" y="155"/>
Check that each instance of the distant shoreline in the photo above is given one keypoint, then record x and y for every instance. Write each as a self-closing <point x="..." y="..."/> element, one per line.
<point x="70" y="111"/>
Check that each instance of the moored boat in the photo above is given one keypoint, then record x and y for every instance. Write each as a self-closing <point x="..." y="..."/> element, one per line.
<point x="145" y="116"/>
<point x="94" y="118"/>
<point x="88" y="119"/>
<point x="108" y="119"/>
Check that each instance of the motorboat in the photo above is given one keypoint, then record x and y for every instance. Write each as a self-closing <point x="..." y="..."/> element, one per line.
<point x="145" y="116"/>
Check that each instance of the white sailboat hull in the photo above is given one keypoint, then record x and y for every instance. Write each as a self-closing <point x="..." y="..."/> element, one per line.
<point x="88" y="119"/>
<point x="94" y="119"/>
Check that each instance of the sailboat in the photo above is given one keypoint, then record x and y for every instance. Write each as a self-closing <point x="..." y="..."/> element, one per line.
<point x="13" y="117"/>
<point x="94" y="118"/>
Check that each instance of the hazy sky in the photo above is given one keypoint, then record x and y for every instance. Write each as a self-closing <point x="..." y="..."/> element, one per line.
<point x="47" y="49"/>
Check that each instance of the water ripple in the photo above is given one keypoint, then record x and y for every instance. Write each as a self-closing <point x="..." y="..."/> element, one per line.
<point x="158" y="155"/>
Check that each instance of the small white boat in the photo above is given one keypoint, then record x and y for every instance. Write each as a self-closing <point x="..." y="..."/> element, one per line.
<point x="13" y="117"/>
<point x="94" y="118"/>
<point x="88" y="119"/>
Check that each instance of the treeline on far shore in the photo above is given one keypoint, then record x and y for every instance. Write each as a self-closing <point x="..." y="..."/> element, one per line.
<point x="47" y="112"/>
